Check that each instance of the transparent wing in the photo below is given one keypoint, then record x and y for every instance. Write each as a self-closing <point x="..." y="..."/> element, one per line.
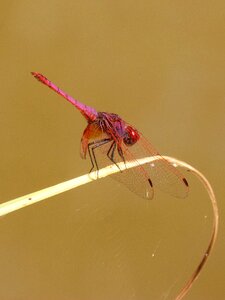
<point x="163" y="174"/>
<point x="141" y="179"/>
<point x="135" y="179"/>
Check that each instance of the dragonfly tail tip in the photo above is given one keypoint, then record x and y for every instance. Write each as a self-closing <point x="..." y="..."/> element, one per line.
<point x="34" y="74"/>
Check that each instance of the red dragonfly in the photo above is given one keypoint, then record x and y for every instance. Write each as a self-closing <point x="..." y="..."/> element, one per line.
<point x="109" y="139"/>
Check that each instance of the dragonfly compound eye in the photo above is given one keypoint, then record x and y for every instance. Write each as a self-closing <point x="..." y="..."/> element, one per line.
<point x="131" y="136"/>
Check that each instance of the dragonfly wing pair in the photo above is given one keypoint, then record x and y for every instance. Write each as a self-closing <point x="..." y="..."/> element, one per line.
<point x="141" y="179"/>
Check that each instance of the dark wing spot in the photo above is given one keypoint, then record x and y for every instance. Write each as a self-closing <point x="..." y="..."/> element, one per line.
<point x="150" y="182"/>
<point x="185" y="181"/>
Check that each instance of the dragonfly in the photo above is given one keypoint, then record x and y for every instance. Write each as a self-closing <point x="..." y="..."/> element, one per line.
<point x="107" y="139"/>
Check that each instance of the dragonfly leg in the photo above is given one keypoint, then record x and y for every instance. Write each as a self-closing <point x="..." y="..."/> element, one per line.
<point x="111" y="155"/>
<point x="91" y="159"/>
<point x="91" y="147"/>
<point x="120" y="151"/>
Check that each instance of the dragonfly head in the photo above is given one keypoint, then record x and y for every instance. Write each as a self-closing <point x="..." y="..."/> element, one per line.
<point x="131" y="136"/>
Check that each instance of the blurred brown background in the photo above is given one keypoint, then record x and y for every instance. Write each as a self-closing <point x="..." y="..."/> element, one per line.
<point x="161" y="66"/>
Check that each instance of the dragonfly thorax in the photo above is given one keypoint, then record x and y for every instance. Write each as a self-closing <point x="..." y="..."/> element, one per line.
<point x="131" y="136"/>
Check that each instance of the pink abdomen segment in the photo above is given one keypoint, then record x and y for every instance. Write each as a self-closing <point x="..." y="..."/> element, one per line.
<point x="88" y="112"/>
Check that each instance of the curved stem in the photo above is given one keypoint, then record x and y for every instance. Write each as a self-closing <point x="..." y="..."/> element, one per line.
<point x="18" y="203"/>
<point x="214" y="232"/>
